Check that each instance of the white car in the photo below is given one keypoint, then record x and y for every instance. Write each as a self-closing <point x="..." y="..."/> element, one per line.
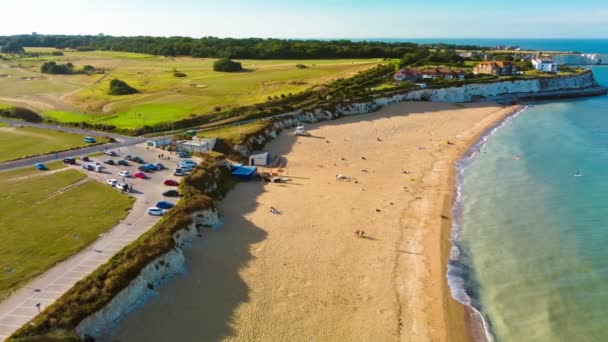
<point x="112" y="182"/>
<point x="155" y="211"/>
<point x="93" y="163"/>
<point x="125" y="174"/>
<point x="110" y="153"/>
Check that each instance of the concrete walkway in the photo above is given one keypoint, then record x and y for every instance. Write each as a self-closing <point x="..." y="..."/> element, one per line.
<point x="21" y="306"/>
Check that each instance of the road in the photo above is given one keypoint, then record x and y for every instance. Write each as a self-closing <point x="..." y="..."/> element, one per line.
<point x="21" y="306"/>
<point x="123" y="141"/>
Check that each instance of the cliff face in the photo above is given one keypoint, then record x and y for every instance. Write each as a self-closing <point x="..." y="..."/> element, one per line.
<point x="581" y="59"/>
<point x="150" y="276"/>
<point x="564" y="86"/>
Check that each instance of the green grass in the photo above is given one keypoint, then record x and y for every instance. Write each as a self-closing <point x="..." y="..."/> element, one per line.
<point x="234" y="134"/>
<point x="28" y="141"/>
<point x="163" y="97"/>
<point x="38" y="222"/>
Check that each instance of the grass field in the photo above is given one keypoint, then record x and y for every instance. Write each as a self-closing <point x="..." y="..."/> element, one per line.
<point x="232" y="134"/>
<point x="44" y="220"/>
<point x="28" y="141"/>
<point x="162" y="97"/>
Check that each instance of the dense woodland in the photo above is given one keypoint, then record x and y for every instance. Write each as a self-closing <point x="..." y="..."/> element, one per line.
<point x="249" y="48"/>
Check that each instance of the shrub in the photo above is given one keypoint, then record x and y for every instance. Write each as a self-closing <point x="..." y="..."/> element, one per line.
<point x="21" y="114"/>
<point x="57" y="53"/>
<point x="118" y="87"/>
<point x="179" y="74"/>
<point x="57" y="69"/>
<point x="301" y="66"/>
<point x="227" y="65"/>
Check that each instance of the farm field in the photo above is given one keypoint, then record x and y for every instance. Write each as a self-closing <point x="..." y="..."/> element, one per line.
<point x="48" y="216"/>
<point x="29" y="141"/>
<point x="162" y="97"/>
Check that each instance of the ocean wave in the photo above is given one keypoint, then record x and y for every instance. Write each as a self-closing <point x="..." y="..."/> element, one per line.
<point x="460" y="275"/>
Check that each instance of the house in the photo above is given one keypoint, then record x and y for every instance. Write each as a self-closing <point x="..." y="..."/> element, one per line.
<point x="197" y="144"/>
<point x="497" y="68"/>
<point x="407" y="74"/>
<point x="442" y="73"/>
<point x="259" y="158"/>
<point x="545" y="64"/>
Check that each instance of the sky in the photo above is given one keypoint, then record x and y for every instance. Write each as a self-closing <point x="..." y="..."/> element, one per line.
<point x="310" y="18"/>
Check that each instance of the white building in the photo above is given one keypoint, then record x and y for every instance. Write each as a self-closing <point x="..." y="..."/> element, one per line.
<point x="544" y="64"/>
<point x="259" y="158"/>
<point x="197" y="144"/>
<point x="158" y="143"/>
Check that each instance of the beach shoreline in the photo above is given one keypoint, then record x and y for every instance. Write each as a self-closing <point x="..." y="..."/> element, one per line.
<point x="473" y="328"/>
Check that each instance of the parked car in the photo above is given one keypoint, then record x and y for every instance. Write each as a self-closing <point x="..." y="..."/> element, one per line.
<point x="155" y="211"/>
<point x="88" y="167"/>
<point x="128" y="157"/>
<point x="140" y="175"/>
<point x="164" y="205"/>
<point x="94" y="163"/>
<point x="125" y="174"/>
<point x="123" y="162"/>
<point x="183" y="154"/>
<point x="179" y="173"/>
<point x="160" y="166"/>
<point x="112" y="182"/>
<point x="85" y="158"/>
<point x="145" y="168"/>
<point x="40" y="166"/>
<point x="109" y="162"/>
<point x="171" y="193"/>
<point x="152" y="167"/>
<point x="138" y="160"/>
<point x="90" y="140"/>
<point x="171" y="182"/>
<point x="70" y="161"/>
<point x="110" y="153"/>
<point x="187" y="162"/>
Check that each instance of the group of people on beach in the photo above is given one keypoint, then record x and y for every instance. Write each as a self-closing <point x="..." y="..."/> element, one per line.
<point x="360" y="233"/>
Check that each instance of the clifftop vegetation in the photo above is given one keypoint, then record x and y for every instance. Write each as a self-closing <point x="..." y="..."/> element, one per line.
<point x="249" y="48"/>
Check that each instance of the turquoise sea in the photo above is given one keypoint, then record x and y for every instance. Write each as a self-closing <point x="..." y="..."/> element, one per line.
<point x="531" y="237"/>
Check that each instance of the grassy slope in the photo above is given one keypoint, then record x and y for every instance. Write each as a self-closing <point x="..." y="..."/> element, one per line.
<point x="26" y="141"/>
<point x="162" y="97"/>
<point x="38" y="232"/>
<point x="233" y="134"/>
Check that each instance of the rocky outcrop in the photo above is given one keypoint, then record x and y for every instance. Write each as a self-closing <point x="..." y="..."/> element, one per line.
<point x="143" y="286"/>
<point x="500" y="91"/>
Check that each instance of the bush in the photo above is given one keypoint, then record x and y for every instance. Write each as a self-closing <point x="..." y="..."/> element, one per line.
<point x="301" y="66"/>
<point x="57" y="69"/>
<point x="21" y="114"/>
<point x="13" y="47"/>
<point x="57" y="53"/>
<point x="227" y="65"/>
<point x="118" y="87"/>
<point x="179" y="74"/>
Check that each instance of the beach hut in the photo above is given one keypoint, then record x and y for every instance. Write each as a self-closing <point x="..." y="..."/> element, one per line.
<point x="259" y="158"/>
<point x="243" y="172"/>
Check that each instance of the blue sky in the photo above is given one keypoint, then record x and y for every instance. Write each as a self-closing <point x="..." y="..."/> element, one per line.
<point x="310" y="18"/>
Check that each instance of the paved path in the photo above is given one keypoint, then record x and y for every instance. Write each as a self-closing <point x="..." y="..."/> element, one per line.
<point x="21" y="306"/>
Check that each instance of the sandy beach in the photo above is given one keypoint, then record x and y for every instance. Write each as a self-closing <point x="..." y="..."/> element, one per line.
<point x="303" y="274"/>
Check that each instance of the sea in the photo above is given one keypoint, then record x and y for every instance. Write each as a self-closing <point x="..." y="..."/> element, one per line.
<point x="530" y="232"/>
<point x="543" y="44"/>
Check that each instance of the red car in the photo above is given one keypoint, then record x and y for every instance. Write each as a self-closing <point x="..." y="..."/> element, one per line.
<point x="140" y="175"/>
<point x="171" y="182"/>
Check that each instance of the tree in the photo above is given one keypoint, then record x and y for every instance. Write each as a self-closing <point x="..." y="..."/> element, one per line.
<point x="227" y="65"/>
<point x="118" y="87"/>
<point x="13" y="47"/>
<point x="57" y="69"/>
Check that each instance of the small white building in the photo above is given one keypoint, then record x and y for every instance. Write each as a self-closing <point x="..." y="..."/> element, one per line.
<point x="158" y="143"/>
<point x="197" y="144"/>
<point x="259" y="159"/>
<point x="544" y="64"/>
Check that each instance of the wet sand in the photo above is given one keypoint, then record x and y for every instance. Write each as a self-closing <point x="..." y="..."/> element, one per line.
<point x="304" y="275"/>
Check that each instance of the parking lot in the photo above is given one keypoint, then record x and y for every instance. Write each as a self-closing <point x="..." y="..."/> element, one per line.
<point x="42" y="291"/>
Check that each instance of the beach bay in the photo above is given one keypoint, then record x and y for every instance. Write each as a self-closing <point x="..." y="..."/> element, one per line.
<point x="304" y="274"/>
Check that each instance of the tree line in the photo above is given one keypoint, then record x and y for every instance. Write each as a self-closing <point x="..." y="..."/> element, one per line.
<point x="212" y="47"/>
